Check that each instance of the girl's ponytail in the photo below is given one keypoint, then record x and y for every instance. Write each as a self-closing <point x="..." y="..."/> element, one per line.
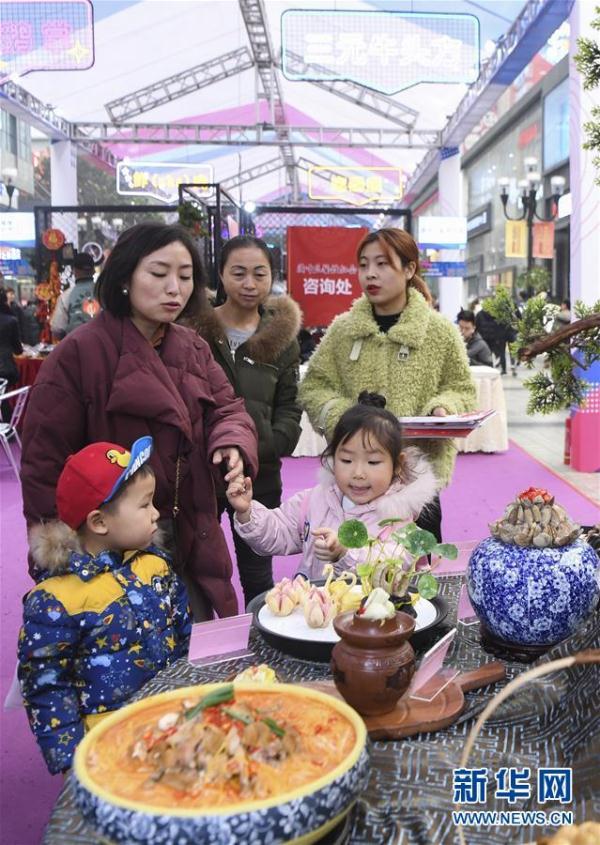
<point x="419" y="284"/>
<point x="375" y="400"/>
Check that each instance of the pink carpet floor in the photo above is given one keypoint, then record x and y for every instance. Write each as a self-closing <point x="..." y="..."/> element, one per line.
<point x="482" y="485"/>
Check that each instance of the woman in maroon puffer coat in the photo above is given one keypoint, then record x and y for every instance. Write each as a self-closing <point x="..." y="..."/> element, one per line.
<point x="131" y="372"/>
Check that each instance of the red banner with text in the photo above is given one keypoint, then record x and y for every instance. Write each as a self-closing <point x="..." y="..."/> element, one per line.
<point x="543" y="240"/>
<point x="322" y="270"/>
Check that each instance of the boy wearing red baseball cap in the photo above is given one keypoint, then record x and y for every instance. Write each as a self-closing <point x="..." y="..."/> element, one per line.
<point x="109" y="612"/>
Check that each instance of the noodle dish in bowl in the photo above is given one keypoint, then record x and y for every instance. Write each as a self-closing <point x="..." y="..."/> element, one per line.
<point x="221" y="763"/>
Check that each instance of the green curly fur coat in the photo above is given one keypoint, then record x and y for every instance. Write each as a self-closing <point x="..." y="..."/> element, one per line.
<point x="419" y="365"/>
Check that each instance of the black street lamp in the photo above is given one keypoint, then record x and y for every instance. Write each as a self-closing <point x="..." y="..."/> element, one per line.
<point x="9" y="174"/>
<point x="529" y="188"/>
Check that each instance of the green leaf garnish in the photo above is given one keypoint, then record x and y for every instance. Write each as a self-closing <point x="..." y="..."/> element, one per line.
<point x="392" y="521"/>
<point x="240" y="717"/>
<point x="427" y="586"/>
<point x="273" y="726"/>
<point x="420" y="542"/>
<point x="447" y="550"/>
<point x="353" y="534"/>
<point x="218" y="696"/>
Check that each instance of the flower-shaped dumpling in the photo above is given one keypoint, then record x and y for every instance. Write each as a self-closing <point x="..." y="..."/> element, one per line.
<point x="319" y="609"/>
<point x="281" y="599"/>
<point x="302" y="588"/>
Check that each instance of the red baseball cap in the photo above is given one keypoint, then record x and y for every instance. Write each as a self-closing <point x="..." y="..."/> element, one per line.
<point x="93" y="475"/>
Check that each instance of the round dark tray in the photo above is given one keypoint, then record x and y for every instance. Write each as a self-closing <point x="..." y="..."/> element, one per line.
<point x="320" y="651"/>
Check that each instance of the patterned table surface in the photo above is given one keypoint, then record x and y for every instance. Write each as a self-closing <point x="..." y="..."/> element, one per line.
<point x="408" y="800"/>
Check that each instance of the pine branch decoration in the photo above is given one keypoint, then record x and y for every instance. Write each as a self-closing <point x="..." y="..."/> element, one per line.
<point x="576" y="345"/>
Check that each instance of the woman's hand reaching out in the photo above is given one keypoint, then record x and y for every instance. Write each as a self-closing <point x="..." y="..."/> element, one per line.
<point x="239" y="496"/>
<point x="233" y="462"/>
<point x="327" y="545"/>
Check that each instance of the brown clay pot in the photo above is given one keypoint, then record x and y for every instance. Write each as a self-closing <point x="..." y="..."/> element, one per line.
<point x="373" y="663"/>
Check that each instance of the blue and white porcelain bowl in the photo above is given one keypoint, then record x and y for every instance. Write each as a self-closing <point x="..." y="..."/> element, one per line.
<point x="301" y="815"/>
<point x="531" y="596"/>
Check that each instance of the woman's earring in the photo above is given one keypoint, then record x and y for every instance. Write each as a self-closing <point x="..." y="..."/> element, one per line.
<point x="125" y="291"/>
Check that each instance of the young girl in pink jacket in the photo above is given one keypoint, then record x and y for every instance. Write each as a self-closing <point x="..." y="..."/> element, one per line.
<point x="368" y="476"/>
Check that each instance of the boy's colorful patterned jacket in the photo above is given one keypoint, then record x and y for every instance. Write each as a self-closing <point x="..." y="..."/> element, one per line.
<point x="94" y="631"/>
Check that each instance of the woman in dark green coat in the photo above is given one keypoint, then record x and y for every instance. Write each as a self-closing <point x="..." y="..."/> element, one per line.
<point x="253" y="337"/>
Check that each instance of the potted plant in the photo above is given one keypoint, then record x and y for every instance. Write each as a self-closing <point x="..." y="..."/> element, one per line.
<point x="193" y="218"/>
<point x="395" y="558"/>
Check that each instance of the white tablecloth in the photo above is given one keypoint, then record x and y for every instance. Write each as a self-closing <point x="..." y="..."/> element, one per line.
<point x="310" y="442"/>
<point x="492" y="436"/>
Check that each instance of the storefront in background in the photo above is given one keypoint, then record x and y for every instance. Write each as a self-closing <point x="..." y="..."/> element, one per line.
<point x="536" y="127"/>
<point x="556" y="163"/>
<point x="428" y="207"/>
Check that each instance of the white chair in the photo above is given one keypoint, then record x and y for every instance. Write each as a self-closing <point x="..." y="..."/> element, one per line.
<point x="8" y="430"/>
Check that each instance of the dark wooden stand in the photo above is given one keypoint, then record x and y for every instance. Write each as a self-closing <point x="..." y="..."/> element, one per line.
<point x="412" y="716"/>
<point x="510" y="651"/>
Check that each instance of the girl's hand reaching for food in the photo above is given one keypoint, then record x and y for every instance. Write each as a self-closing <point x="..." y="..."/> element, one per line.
<point x="327" y="545"/>
<point x="239" y="496"/>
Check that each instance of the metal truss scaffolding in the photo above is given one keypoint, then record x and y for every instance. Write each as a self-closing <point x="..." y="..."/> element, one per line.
<point x="270" y="166"/>
<point x="353" y="92"/>
<point x="42" y="116"/>
<point x="255" y="19"/>
<point x="165" y="90"/>
<point x="308" y="165"/>
<point x="264" y="134"/>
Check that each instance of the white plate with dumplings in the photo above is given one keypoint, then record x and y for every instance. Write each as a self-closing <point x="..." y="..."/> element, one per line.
<point x="292" y="634"/>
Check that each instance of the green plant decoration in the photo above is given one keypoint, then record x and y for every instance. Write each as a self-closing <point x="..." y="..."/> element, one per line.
<point x="535" y="280"/>
<point x="395" y="571"/>
<point x="577" y="345"/>
<point x="588" y="64"/>
<point x="501" y="306"/>
<point x="193" y="218"/>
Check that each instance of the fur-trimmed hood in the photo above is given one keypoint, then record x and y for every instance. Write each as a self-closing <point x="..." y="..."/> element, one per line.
<point x="51" y="545"/>
<point x="406" y="496"/>
<point x="56" y="550"/>
<point x="280" y="323"/>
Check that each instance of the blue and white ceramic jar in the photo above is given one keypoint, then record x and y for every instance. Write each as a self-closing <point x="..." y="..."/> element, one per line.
<point x="533" y="596"/>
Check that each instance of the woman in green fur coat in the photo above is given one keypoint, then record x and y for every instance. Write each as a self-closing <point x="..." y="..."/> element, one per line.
<point x="394" y="343"/>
